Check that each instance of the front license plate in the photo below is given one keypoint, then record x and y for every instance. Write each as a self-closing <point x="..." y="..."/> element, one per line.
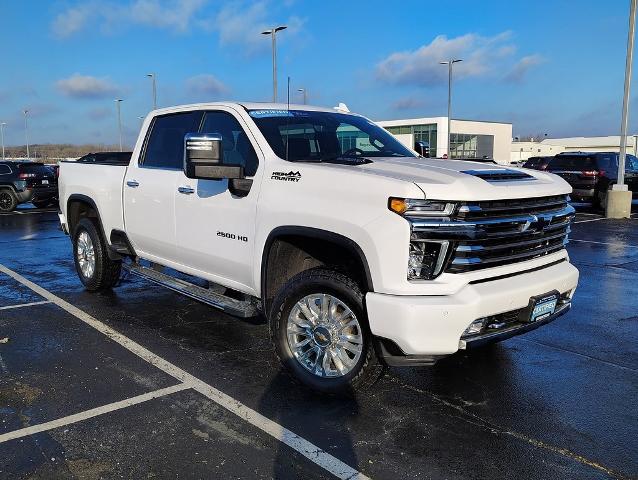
<point x="45" y="182"/>
<point x="543" y="307"/>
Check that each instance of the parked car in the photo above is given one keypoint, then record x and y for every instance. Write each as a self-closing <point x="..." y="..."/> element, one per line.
<point x="22" y="182"/>
<point x="106" y="158"/>
<point x="537" y="163"/>
<point x="591" y="175"/>
<point x="358" y="254"/>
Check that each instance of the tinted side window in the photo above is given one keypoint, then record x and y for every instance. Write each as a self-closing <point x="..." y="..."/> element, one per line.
<point x="4" y="169"/>
<point x="236" y="147"/>
<point x="165" y="145"/>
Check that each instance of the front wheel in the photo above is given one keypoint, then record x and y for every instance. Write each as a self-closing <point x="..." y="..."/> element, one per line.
<point x="321" y="335"/>
<point x="92" y="263"/>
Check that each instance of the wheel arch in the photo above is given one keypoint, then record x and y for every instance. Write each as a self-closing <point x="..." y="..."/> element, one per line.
<point x="78" y="206"/>
<point x="305" y="242"/>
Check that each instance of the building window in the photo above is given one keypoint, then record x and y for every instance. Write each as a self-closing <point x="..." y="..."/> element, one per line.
<point x="425" y="133"/>
<point x="466" y="145"/>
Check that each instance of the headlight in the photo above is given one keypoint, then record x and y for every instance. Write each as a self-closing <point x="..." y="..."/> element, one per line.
<point x="420" y="208"/>
<point x="427" y="258"/>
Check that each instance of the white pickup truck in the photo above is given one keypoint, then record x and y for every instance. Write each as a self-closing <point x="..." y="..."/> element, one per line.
<point x="359" y="252"/>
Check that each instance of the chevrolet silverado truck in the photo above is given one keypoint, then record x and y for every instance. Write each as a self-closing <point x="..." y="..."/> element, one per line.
<point x="359" y="252"/>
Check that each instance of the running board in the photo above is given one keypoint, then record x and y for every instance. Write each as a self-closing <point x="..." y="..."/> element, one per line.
<point x="232" y="306"/>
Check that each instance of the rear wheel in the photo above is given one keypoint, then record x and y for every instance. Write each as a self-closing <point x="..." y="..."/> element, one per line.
<point x="8" y="201"/>
<point x="320" y="332"/>
<point x="92" y="263"/>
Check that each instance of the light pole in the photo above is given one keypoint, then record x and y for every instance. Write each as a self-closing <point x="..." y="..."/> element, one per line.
<point x="152" y="77"/>
<point x="119" y="120"/>
<point x="305" y="94"/>
<point x="273" y="34"/>
<point x="449" y="64"/>
<point x="2" y="125"/>
<point x="620" y="183"/>
<point x="26" y="131"/>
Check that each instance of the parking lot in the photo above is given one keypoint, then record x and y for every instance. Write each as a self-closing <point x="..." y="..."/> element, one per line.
<point x="143" y="383"/>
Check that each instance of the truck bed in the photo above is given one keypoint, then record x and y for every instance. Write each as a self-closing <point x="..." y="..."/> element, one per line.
<point x="98" y="182"/>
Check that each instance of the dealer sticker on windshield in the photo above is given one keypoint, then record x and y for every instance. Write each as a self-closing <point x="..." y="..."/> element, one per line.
<point x="543" y="307"/>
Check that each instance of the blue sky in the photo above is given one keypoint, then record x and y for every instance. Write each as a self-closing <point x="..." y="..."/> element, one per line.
<point x="551" y="67"/>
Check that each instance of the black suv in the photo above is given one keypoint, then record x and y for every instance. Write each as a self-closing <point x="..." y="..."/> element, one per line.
<point x="592" y="174"/>
<point x="537" y="163"/>
<point x="22" y="182"/>
<point x="108" y="158"/>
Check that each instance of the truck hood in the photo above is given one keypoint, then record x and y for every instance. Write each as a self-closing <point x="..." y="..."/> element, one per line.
<point x="464" y="180"/>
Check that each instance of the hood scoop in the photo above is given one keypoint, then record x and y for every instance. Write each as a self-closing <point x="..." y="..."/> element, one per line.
<point x="501" y="175"/>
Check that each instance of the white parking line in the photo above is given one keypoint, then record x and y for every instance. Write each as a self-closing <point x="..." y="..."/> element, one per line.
<point x="304" y="447"/>
<point x="32" y="304"/>
<point x="623" y="245"/>
<point x="94" y="412"/>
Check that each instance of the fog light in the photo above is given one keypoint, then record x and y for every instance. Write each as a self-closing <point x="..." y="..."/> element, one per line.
<point x="475" y="327"/>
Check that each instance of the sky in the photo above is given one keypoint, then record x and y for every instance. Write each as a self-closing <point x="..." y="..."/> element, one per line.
<point x="548" y="67"/>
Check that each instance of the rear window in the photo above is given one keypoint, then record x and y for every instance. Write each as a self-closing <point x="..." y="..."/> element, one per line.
<point x="36" y="168"/>
<point x="576" y="163"/>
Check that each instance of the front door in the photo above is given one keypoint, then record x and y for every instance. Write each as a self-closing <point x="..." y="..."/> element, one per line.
<point x="149" y="186"/>
<point x="215" y="227"/>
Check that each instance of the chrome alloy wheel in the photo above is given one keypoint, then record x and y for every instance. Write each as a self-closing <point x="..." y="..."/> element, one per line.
<point x="324" y="335"/>
<point x="85" y="254"/>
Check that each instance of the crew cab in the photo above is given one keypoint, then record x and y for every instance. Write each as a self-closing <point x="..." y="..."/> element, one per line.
<point x="25" y="181"/>
<point x="360" y="253"/>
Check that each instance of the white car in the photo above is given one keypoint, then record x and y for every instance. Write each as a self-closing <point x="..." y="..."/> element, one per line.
<point x="360" y="253"/>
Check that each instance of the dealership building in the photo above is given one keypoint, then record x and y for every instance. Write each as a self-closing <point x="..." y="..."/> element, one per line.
<point x="552" y="146"/>
<point x="469" y="139"/>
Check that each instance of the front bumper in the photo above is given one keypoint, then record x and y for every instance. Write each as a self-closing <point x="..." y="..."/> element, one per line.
<point x="432" y="326"/>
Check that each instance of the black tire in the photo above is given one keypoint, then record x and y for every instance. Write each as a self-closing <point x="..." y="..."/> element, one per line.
<point x="41" y="204"/>
<point x="106" y="272"/>
<point x="366" y="371"/>
<point x="8" y="201"/>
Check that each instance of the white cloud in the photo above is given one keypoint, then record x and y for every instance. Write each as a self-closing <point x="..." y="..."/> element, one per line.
<point x="481" y="56"/>
<point x="240" y="24"/>
<point x="175" y="15"/>
<point x="206" y="84"/>
<point x="519" y="70"/>
<point x="71" y="21"/>
<point x="85" y="86"/>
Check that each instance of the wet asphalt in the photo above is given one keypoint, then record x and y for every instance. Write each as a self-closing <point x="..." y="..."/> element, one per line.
<point x="559" y="402"/>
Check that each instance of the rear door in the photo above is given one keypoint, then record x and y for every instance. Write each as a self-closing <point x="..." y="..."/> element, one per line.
<point x="149" y="186"/>
<point x="215" y="226"/>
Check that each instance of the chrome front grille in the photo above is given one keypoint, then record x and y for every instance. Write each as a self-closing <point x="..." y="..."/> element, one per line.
<point x="492" y="233"/>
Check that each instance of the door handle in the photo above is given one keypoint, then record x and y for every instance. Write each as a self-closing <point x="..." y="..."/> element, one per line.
<point x="186" y="190"/>
<point x="132" y="183"/>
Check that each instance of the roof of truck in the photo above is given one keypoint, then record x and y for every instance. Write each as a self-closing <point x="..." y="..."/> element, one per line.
<point x="248" y="106"/>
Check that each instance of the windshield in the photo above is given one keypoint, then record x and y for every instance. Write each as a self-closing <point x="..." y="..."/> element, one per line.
<point x="325" y="136"/>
